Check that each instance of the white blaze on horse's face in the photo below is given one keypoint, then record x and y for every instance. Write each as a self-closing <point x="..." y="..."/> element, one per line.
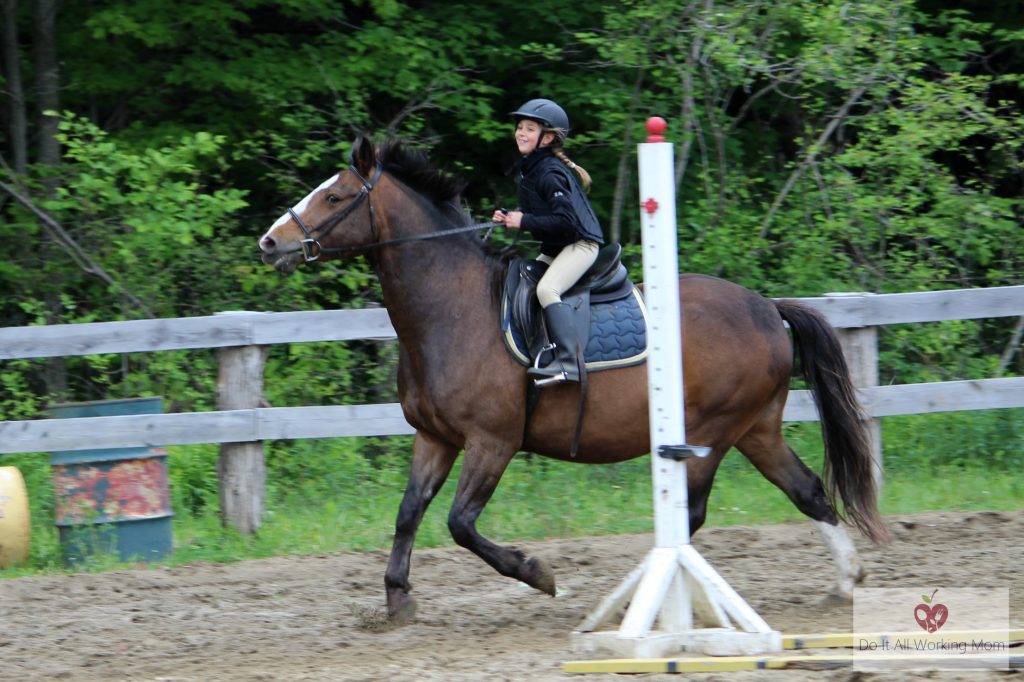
<point x="285" y="253"/>
<point x="304" y="204"/>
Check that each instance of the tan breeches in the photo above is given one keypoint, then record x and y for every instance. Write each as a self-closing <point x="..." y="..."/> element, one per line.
<point x="564" y="270"/>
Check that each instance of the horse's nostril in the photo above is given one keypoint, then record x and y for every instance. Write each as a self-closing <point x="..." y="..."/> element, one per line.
<point x="267" y="244"/>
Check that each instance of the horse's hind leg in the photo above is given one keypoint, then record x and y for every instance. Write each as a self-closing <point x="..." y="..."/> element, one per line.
<point x="431" y="463"/>
<point x="700" y="474"/>
<point x="768" y="451"/>
<point x="482" y="468"/>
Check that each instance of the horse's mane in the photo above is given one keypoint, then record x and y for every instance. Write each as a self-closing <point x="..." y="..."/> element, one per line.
<point x="413" y="167"/>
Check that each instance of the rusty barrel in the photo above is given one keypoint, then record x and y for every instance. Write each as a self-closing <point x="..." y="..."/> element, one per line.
<point x="112" y="500"/>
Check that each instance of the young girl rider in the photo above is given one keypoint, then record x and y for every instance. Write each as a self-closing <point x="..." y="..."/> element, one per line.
<point x="554" y="209"/>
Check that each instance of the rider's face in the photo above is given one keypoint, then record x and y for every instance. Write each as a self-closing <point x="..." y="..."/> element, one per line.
<point x="527" y="133"/>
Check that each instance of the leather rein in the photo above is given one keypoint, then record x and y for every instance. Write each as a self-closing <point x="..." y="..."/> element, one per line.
<point x="312" y="249"/>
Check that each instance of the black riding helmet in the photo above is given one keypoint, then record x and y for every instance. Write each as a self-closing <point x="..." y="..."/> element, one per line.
<point x="548" y="114"/>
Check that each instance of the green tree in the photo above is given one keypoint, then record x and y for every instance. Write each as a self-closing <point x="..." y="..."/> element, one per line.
<point x="830" y="145"/>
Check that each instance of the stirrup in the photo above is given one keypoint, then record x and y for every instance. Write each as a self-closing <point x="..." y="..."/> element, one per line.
<point x="558" y="378"/>
<point x="544" y="376"/>
<point x="536" y="361"/>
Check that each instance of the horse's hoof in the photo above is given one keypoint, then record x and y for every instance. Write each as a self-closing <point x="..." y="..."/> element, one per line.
<point x="402" y="612"/>
<point x="837" y="598"/>
<point x="859" y="575"/>
<point x="537" y="574"/>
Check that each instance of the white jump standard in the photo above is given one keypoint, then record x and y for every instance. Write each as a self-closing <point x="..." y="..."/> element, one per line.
<point x="674" y="587"/>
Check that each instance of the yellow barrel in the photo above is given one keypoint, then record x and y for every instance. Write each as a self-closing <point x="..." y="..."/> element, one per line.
<point x="14" y="518"/>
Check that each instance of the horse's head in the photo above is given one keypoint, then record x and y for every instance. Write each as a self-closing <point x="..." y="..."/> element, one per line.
<point x="333" y="220"/>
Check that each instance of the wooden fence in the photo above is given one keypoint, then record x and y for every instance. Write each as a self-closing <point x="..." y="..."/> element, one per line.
<point x="240" y="424"/>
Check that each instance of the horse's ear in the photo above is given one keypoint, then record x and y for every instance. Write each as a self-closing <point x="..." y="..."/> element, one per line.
<point x="363" y="155"/>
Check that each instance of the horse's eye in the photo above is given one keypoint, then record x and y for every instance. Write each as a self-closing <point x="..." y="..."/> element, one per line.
<point x="333" y="199"/>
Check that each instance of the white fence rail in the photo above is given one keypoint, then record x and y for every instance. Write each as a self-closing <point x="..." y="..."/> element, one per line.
<point x="273" y="423"/>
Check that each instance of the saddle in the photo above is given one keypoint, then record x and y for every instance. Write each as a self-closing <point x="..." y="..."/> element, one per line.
<point x="608" y="310"/>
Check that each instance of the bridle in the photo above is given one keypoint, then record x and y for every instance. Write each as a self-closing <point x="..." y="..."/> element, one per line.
<point x="312" y="248"/>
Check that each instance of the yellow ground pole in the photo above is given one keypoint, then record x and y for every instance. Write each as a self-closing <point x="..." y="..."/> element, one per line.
<point x="717" y="664"/>
<point x="14" y="518"/>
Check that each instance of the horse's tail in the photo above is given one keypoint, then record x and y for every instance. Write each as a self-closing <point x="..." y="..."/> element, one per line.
<point x="848" y="467"/>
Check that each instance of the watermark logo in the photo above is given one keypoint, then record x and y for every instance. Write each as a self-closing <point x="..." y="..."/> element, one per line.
<point x="935" y="628"/>
<point x="930" y="616"/>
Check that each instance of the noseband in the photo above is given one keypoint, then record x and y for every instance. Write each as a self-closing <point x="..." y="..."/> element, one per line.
<point x="311" y="247"/>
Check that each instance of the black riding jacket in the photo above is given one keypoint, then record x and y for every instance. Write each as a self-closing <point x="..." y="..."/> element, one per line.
<point x="556" y="210"/>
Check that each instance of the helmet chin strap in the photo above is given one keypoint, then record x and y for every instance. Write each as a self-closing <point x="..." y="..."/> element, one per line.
<point x="540" y="139"/>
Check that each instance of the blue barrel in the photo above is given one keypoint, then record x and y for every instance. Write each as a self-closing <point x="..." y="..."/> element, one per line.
<point x="114" y="500"/>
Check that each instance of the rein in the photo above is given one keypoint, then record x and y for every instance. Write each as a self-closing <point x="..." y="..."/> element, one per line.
<point x="312" y="248"/>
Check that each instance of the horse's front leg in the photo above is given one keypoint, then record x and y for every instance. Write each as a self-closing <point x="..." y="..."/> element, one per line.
<point x="431" y="463"/>
<point x="482" y="468"/>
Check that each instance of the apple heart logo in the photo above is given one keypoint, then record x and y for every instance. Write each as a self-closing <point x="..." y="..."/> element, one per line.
<point x="930" y="616"/>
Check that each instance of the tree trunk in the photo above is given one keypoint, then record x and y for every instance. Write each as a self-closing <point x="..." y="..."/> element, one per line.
<point x="624" y="174"/>
<point x="17" y="123"/>
<point x="47" y="79"/>
<point x="48" y="154"/>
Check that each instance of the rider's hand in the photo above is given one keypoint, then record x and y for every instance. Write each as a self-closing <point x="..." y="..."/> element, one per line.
<point x="511" y="219"/>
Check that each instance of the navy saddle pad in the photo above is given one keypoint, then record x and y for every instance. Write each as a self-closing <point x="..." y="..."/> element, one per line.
<point x="618" y="317"/>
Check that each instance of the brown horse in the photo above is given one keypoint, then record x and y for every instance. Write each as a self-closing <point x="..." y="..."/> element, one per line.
<point x="462" y="391"/>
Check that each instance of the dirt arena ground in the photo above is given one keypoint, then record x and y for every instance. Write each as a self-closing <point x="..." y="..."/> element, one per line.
<point x="317" y="617"/>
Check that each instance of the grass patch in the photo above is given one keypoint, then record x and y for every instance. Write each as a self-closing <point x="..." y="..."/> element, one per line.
<point x="537" y="499"/>
<point x="343" y="494"/>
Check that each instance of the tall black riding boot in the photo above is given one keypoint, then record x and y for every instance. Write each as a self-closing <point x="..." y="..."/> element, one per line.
<point x="558" y="318"/>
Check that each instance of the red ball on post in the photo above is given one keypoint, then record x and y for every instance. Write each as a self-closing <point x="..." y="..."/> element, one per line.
<point x="656" y="125"/>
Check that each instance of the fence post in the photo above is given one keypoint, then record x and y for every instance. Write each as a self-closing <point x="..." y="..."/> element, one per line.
<point x="241" y="470"/>
<point x="860" y="347"/>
